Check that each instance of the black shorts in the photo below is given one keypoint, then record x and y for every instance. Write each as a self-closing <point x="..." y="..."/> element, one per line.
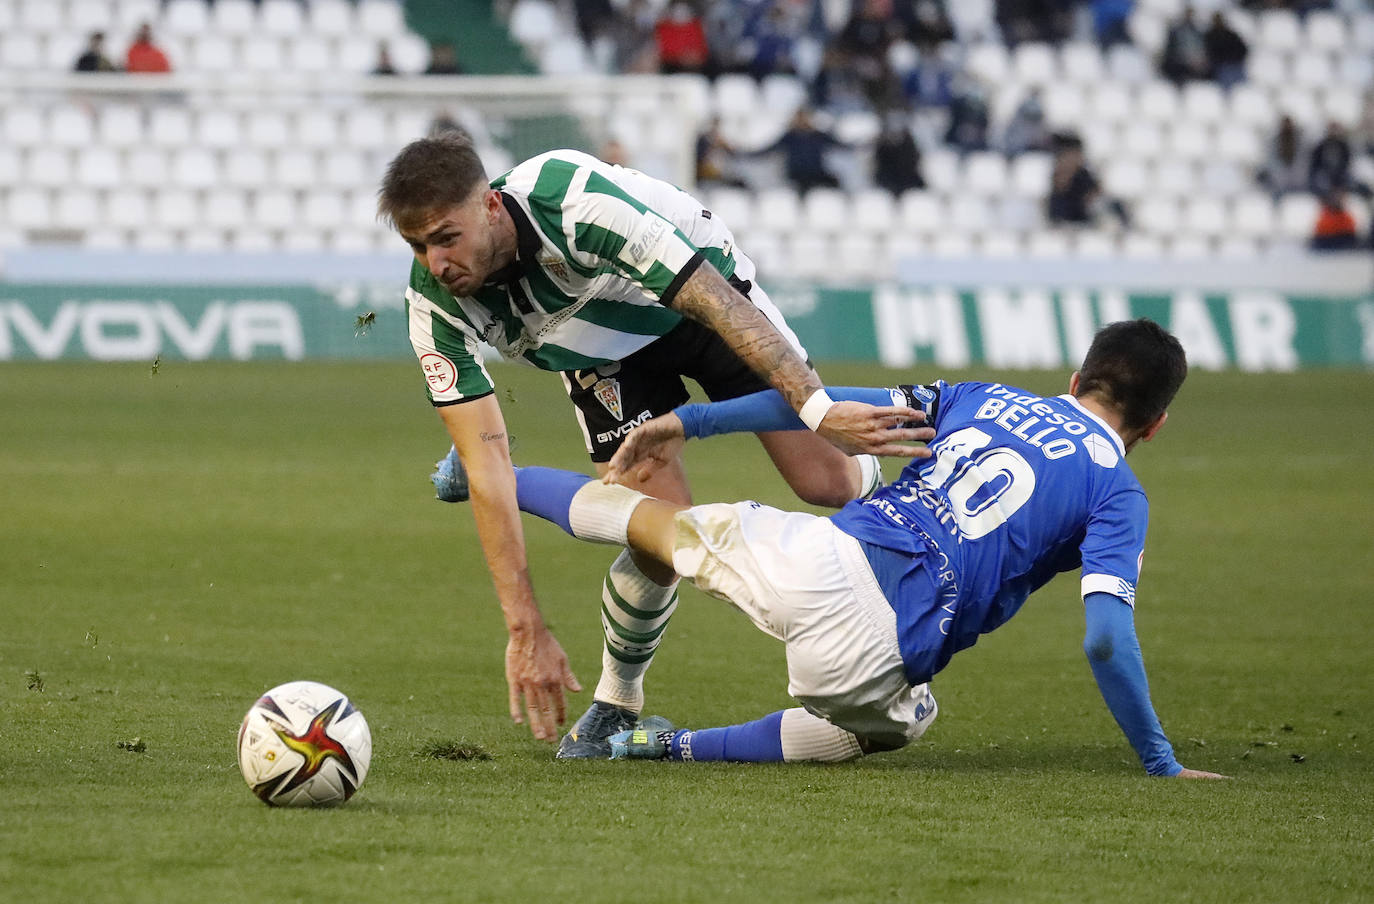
<point x="613" y="398"/>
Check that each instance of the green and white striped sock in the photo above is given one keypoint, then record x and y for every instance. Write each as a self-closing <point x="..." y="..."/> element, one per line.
<point x="634" y="612"/>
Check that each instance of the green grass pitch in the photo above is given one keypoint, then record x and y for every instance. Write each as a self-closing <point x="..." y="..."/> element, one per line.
<point x="172" y="543"/>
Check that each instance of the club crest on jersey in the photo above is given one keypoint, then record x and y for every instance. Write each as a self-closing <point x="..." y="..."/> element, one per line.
<point x="607" y="392"/>
<point x="555" y="266"/>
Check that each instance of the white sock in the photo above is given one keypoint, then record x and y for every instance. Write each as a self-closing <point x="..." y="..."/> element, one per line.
<point x="634" y="612"/>
<point x="808" y="738"/>
<point x="870" y="475"/>
<point x="601" y="512"/>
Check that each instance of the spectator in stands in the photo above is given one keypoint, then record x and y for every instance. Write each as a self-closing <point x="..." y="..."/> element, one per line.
<point x="594" y="18"/>
<point x="1026" y="130"/>
<point x="803" y="147"/>
<point x="1024" y="21"/>
<point x="445" y="123"/>
<point x="968" y="117"/>
<point x="1335" y="228"/>
<point x="1284" y="170"/>
<point x="896" y="157"/>
<point x="770" y="37"/>
<point x="863" y="44"/>
<point x="716" y="158"/>
<point x="838" y="88"/>
<point x="1076" y="196"/>
<point x="1111" y="21"/>
<point x="681" y="40"/>
<point x="1185" y="51"/>
<point x="633" y="43"/>
<point x="925" y="22"/>
<point x="1329" y="166"/>
<point x="443" y="60"/>
<point x="1226" y="51"/>
<point x="383" y="66"/>
<point x="144" y="55"/>
<point x="93" y="58"/>
<point x="930" y="83"/>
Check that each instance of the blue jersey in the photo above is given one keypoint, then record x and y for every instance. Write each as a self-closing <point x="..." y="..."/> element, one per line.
<point x="1020" y="488"/>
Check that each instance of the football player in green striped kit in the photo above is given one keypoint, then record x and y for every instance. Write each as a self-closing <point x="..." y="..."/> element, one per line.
<point x="624" y="285"/>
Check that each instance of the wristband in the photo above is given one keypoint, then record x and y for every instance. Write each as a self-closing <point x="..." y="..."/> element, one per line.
<point x="815" y="409"/>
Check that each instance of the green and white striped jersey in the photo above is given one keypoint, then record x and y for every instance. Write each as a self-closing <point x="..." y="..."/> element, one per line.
<point x="602" y="251"/>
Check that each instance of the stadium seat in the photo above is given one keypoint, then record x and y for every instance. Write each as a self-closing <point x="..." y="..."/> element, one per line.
<point x="1267" y="68"/>
<point x="941" y="169"/>
<point x="218" y="129"/>
<point x="1030" y="174"/>
<point x="734" y="207"/>
<point x="1081" y="63"/>
<point x="1157" y="101"/>
<point x="534" y="23"/>
<point x="1238" y="247"/>
<point x="810" y="256"/>
<point x="155" y="240"/>
<point x="1148" y="30"/>
<point x="232" y="18"/>
<point x="410" y="54"/>
<point x="322" y="210"/>
<point x="970" y="214"/>
<point x="1204" y="215"/>
<point x="1301" y="104"/>
<point x="985" y="173"/>
<point x="246" y="168"/>
<point x="1141" y="246"/>
<point x="825" y="210"/>
<point x="988" y="62"/>
<point x="778" y="209"/>
<point x="872" y="211"/>
<point x="344" y="168"/>
<point x="317" y="127"/>
<point x="226" y="208"/>
<point x="40" y="16"/>
<point x="1325" y="31"/>
<point x="282" y="18"/>
<point x="1343" y="104"/>
<point x="274" y="208"/>
<point x="1128" y="64"/>
<point x="25" y="127"/>
<point x="1064" y="104"/>
<point x="169" y="127"/>
<point x="78" y="209"/>
<point x="61" y="50"/>
<point x="48" y="167"/>
<point x="781" y="94"/>
<point x="176" y="208"/>
<point x="267" y="129"/>
<point x="127" y="208"/>
<point x="21" y="51"/>
<point x="10" y="166"/>
<point x="922" y="212"/>
<point x="1158" y="215"/>
<point x="263" y="54"/>
<point x="119" y="125"/>
<point x="213" y="53"/>
<point x="1189" y="140"/>
<point x="1362" y="33"/>
<point x="973" y="20"/>
<point x="380" y="18"/>
<point x="1094" y="244"/>
<point x="1204" y="102"/>
<point x="1143" y="138"/>
<point x="129" y="14"/>
<point x="30" y="208"/>
<point x="898" y="248"/>
<point x="89" y="15"/>
<point x="1357" y="69"/>
<point x="1034" y="64"/>
<point x="1297" y="214"/>
<point x="194" y="167"/>
<point x="103" y="238"/>
<point x="1048" y="244"/>
<point x="1252" y="215"/>
<point x="184" y="18"/>
<point x="1224" y="178"/>
<point x="952" y="246"/>
<point x="294" y="167"/>
<point x="146" y="167"/>
<point x="1313" y="70"/>
<point x="1102" y="140"/>
<point x="1023" y="214"/>
<point x="999" y="244"/>
<point x="70" y="126"/>
<point x="331" y="18"/>
<point x="1126" y="178"/>
<point x="735" y="95"/>
<point x="1111" y="102"/>
<point x="1238" y="144"/>
<point x="1279" y="29"/>
<point x="1174" y="177"/>
<point x="1186" y="246"/>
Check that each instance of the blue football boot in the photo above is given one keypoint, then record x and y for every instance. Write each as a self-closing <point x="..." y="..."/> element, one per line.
<point x="450" y="480"/>
<point x="589" y="738"/>
<point x="648" y="740"/>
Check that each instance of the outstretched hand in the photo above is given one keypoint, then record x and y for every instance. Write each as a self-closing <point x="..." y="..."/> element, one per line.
<point x="1198" y="773"/>
<point x="647" y="448"/>
<point x="537" y="673"/>
<point x="856" y="428"/>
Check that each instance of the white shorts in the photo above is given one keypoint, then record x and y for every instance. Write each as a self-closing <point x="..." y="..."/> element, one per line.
<point x="804" y="581"/>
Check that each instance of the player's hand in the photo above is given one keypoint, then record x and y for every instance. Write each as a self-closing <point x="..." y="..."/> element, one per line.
<point x="647" y="448"/>
<point x="1198" y="773"/>
<point x="537" y="673"/>
<point x="856" y="428"/>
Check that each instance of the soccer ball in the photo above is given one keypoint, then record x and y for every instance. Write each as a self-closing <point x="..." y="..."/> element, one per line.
<point x="304" y="744"/>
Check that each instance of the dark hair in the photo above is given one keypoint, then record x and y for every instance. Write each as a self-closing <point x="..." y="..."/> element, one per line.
<point x="1136" y="366"/>
<point x="428" y="174"/>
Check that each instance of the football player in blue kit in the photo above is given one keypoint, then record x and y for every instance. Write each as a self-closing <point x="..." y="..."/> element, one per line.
<point x="873" y="601"/>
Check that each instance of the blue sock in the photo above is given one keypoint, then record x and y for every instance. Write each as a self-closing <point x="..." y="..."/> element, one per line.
<point x="759" y="741"/>
<point x="548" y="493"/>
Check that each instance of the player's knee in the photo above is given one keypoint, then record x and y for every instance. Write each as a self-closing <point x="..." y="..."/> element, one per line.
<point x="829" y="489"/>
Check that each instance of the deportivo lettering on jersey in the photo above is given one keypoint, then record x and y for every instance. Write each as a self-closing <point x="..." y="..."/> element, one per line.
<point x="610" y="242"/>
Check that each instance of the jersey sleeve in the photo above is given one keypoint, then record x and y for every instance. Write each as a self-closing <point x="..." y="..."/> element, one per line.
<point x="608" y="226"/>
<point x="445" y="344"/>
<point x="1114" y="545"/>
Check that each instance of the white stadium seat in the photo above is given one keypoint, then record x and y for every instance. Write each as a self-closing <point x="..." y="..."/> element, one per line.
<point x="1250" y="105"/>
<point x="1267" y="68"/>
<point x="1225" y="179"/>
<point x="534" y="23"/>
<point x="119" y="125"/>
<point x="1189" y="140"/>
<point x="1126" y="63"/>
<point x="146" y="167"/>
<point x="1081" y="62"/>
<point x="1000" y="244"/>
<point x="331" y="18"/>
<point x="185" y="18"/>
<point x="736" y="95"/>
<point x="1325" y="31"/>
<point x="226" y="208"/>
<point x="1279" y="29"/>
<point x="1034" y="64"/>
<point x="70" y="126"/>
<point x="1143" y="139"/>
<point x="127" y="208"/>
<point x="213" y="52"/>
<point x="219" y="129"/>
<point x="233" y="18"/>
<point x="282" y="18"/>
<point x="873" y="210"/>
<point x="1313" y="70"/>
<point x="99" y="167"/>
<point x="1204" y="102"/>
<point x="1357" y="69"/>
<point x="322" y="210"/>
<point x="90" y="15"/>
<point x="1186" y="246"/>
<point x="48" y="167"/>
<point x="778" y="209"/>
<point x="1297" y="214"/>
<point x="1020" y="213"/>
<point x="1049" y="244"/>
<point x="1253" y="214"/>
<point x="1158" y="102"/>
<point x="195" y="167"/>
<point x="344" y="168"/>
<point x="1142" y="246"/>
<point x="381" y="18"/>
<point x="129" y="14"/>
<point x="970" y="214"/>
<point x="941" y="169"/>
<point x="30" y="208"/>
<point x="1158" y="215"/>
<point x="1174" y="178"/>
<point x="1110" y="101"/>
<point x="294" y="168"/>
<point x="21" y="51"/>
<point x="1065" y="105"/>
<point x="25" y="127"/>
<point x="169" y="127"/>
<point x="1343" y="104"/>
<point x="825" y="210"/>
<point x="42" y="16"/>
<point x="263" y="54"/>
<point x="1094" y="244"/>
<point x="1030" y="174"/>
<point x="246" y="168"/>
<point x="268" y="129"/>
<point x="734" y="207"/>
<point x="78" y="208"/>
<point x="952" y="246"/>
<point x="1205" y="216"/>
<point x="274" y="209"/>
<point x="315" y="128"/>
<point x="988" y="62"/>
<point x="1126" y="178"/>
<point x="1362" y="32"/>
<point x="985" y="173"/>
<point x="922" y="212"/>
<point x="176" y="208"/>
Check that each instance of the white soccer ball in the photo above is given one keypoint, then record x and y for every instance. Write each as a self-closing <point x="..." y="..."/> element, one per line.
<point x="304" y="744"/>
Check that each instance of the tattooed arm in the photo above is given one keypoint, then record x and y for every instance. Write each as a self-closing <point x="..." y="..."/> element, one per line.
<point x="537" y="671"/>
<point x="852" y="426"/>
